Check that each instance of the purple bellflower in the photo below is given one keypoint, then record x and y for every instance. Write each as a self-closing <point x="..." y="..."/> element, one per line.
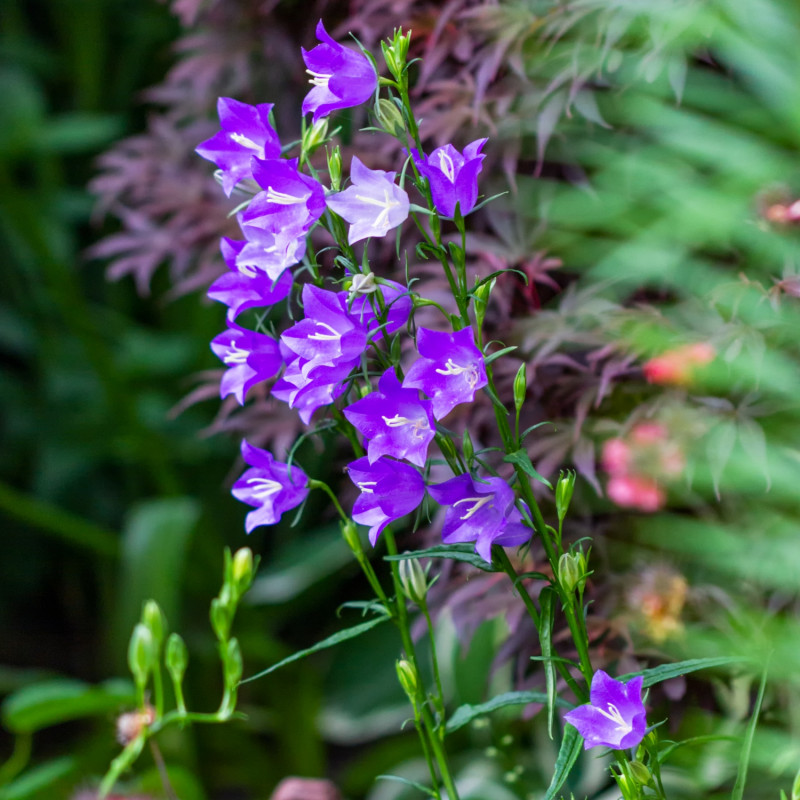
<point x="373" y="204"/>
<point x="250" y="358"/>
<point x="394" y="421"/>
<point x="450" y="371"/>
<point x="396" y="300"/>
<point x="240" y="289"/>
<point x="615" y="716"/>
<point x="389" y="490"/>
<point x="453" y="177"/>
<point x="246" y="132"/>
<point x="341" y="77"/>
<point x="269" y="252"/>
<point x="306" y="393"/>
<point x="270" y="486"/>
<point x="480" y="512"/>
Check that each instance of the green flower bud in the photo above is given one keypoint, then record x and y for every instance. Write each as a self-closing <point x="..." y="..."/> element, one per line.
<point x="564" y="489"/>
<point x="221" y="616"/>
<point x="571" y="568"/>
<point x="395" y="52"/>
<point x="408" y="679"/>
<point x="177" y="657"/>
<point x="640" y="772"/>
<point x="350" y="534"/>
<point x="233" y="664"/>
<point x="467" y="447"/>
<point x="413" y="580"/>
<point x="335" y="168"/>
<point x="482" y="295"/>
<point x="142" y="654"/>
<point x="314" y="136"/>
<point x="154" y="619"/>
<point x="243" y="571"/>
<point x="390" y="118"/>
<point x="520" y="386"/>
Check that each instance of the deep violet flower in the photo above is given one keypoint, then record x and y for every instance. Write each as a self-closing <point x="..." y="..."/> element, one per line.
<point x="246" y="132"/>
<point x="341" y="77"/>
<point x="306" y="393"/>
<point x="453" y="177"/>
<point x="373" y="204"/>
<point x="241" y="288"/>
<point x="480" y="511"/>
<point x="270" y="486"/>
<point x="249" y="357"/>
<point x="450" y="370"/>
<point x="396" y="300"/>
<point x="615" y="716"/>
<point x="389" y="490"/>
<point x="394" y="421"/>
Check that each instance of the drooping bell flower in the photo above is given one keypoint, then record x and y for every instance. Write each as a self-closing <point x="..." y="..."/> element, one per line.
<point x="450" y="370"/>
<point x="242" y="288"/>
<point x="373" y="204"/>
<point x="269" y="252"/>
<point x="389" y="490"/>
<point x="342" y="78"/>
<point x="250" y="358"/>
<point x="246" y="132"/>
<point x="396" y="300"/>
<point x="615" y="717"/>
<point x="268" y="485"/>
<point x="452" y="176"/>
<point x="394" y="421"/>
<point x="480" y="511"/>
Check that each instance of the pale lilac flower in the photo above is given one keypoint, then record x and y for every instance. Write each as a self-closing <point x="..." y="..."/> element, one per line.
<point x="270" y="486"/>
<point x="615" y="716"/>
<point x="396" y="300"/>
<point x="394" y="421"/>
<point x="240" y="288"/>
<point x="250" y="358"/>
<point x="389" y="490"/>
<point x="480" y="511"/>
<point x="373" y="204"/>
<point x="450" y="371"/>
<point x="269" y="252"/>
<point x="246" y="132"/>
<point x="342" y="77"/>
<point x="453" y="177"/>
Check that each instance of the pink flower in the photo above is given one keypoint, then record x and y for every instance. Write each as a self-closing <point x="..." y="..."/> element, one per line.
<point x="677" y="367"/>
<point x="635" y="491"/>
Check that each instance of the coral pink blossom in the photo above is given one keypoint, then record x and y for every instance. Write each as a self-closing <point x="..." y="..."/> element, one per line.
<point x="634" y="491"/>
<point x="676" y="367"/>
<point x="616" y="457"/>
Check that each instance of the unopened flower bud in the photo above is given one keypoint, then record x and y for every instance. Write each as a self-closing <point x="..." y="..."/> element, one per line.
<point x="413" y="580"/>
<point x="154" y="619"/>
<point x="467" y="447"/>
<point x="314" y="136"/>
<point x="177" y="657"/>
<point x="564" y="489"/>
<point x="350" y="535"/>
<point x="640" y="772"/>
<point x="233" y="664"/>
<point x="221" y="617"/>
<point x="482" y="295"/>
<point x="571" y="568"/>
<point x="408" y="679"/>
<point x="520" y="386"/>
<point x="243" y="571"/>
<point x="395" y="52"/>
<point x="142" y="654"/>
<point x="335" y="168"/>
<point x="390" y="117"/>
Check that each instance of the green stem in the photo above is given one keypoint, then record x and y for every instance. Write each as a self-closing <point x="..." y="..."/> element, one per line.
<point x="434" y="659"/>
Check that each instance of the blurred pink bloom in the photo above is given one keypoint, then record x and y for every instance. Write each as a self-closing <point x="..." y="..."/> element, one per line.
<point x="616" y="457"/>
<point x="677" y="367"/>
<point x="634" y="491"/>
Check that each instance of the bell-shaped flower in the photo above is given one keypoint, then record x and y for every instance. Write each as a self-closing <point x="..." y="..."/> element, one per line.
<point x="243" y="288"/>
<point x="341" y="77"/>
<point x="394" y="421"/>
<point x="268" y="252"/>
<point x="373" y="204"/>
<point x="452" y="176"/>
<point x="250" y="358"/>
<point x="389" y="490"/>
<point x="307" y="392"/>
<point x="397" y="303"/>
<point x="615" y="717"/>
<point x="268" y="485"/>
<point x="450" y="370"/>
<point x="480" y="511"/>
<point x="246" y="132"/>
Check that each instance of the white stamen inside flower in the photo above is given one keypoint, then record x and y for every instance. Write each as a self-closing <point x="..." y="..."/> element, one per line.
<point x="614" y="715"/>
<point x="451" y="368"/>
<point x="319" y="78"/>
<point x="283" y="198"/>
<point x="235" y="354"/>
<point x="446" y="165"/>
<point x="419" y="425"/>
<point x="264" y="487"/>
<point x="477" y="504"/>
<point x="386" y="205"/>
<point x="325" y="337"/>
<point x="364" y="486"/>
<point x="242" y="140"/>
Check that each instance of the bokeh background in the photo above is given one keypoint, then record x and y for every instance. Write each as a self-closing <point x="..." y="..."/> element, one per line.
<point x="650" y="155"/>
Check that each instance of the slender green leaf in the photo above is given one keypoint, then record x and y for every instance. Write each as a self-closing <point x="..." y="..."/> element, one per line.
<point x="341" y="636"/>
<point x="495" y="356"/>
<point x="521" y="459"/>
<point x="567" y="756"/>
<point x="667" y="671"/>
<point x="456" y="552"/>
<point x="673" y="746"/>
<point x="747" y="745"/>
<point x="546" y="618"/>
<point x="407" y="782"/>
<point x="36" y="780"/>
<point x="463" y="715"/>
